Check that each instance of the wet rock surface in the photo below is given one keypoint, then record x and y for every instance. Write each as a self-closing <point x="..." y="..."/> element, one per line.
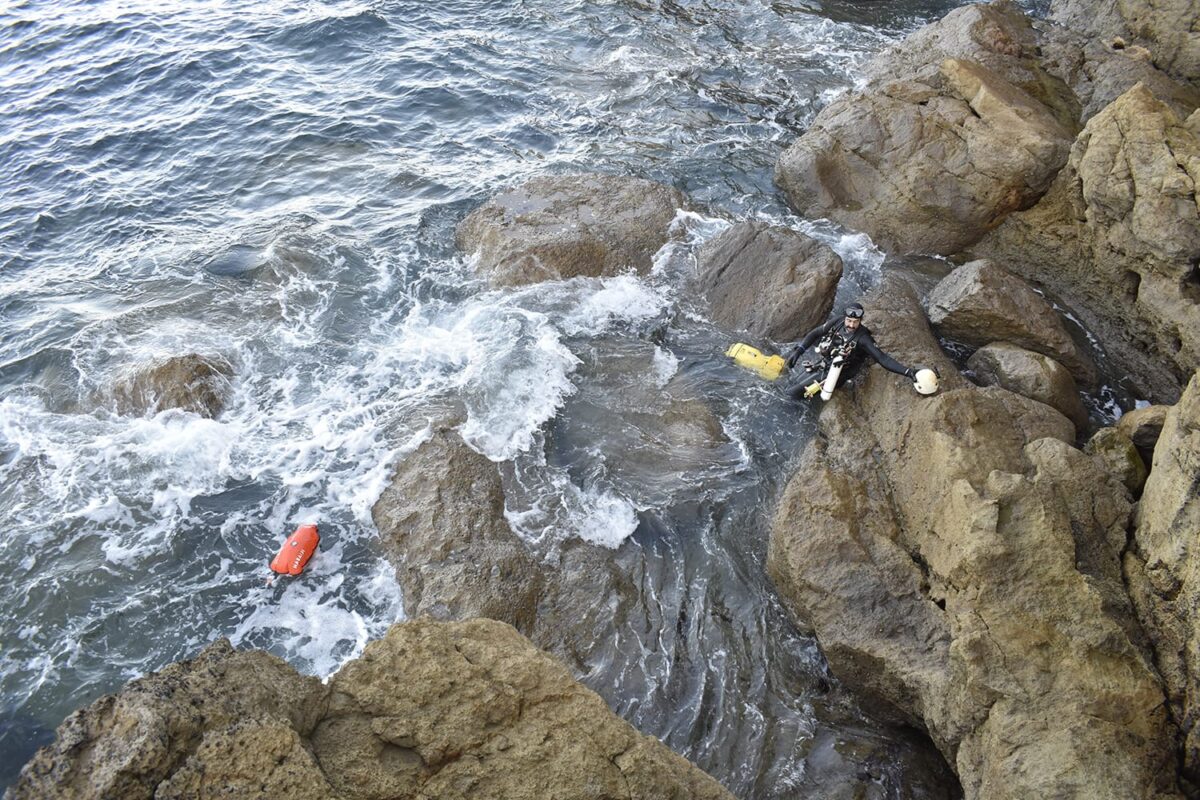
<point x="442" y="521"/>
<point x="773" y="282"/>
<point x="1031" y="375"/>
<point x="1120" y="232"/>
<point x="959" y="560"/>
<point x="555" y="227"/>
<point x="439" y="710"/>
<point x="1163" y="568"/>
<point x="956" y="127"/>
<point x="196" y="383"/>
<point x="980" y="303"/>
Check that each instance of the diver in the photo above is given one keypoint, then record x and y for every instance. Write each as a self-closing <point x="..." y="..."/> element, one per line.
<point x="840" y="345"/>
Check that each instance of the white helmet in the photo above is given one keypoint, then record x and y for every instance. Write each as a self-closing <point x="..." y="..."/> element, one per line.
<point x="926" y="381"/>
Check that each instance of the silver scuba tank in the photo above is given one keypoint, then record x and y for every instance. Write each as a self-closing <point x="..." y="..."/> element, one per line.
<point x="831" y="379"/>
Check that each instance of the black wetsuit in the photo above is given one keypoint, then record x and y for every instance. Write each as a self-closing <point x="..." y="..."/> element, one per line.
<point x="852" y="344"/>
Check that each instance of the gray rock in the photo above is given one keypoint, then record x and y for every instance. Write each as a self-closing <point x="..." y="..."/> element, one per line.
<point x="958" y="559"/>
<point x="442" y="522"/>
<point x="435" y="710"/>
<point x="556" y="227"/>
<point x="196" y="383"/>
<point x="980" y="303"/>
<point x="942" y="143"/>
<point x="773" y="282"/>
<point x="1120" y="232"/>
<point x="1030" y="374"/>
<point x="1119" y="456"/>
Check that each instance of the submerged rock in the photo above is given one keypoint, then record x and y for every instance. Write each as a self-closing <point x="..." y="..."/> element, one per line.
<point x="556" y="227"/>
<point x="1163" y="568"/>
<point x="1032" y="375"/>
<point x="956" y="127"/>
<point x="960" y="561"/>
<point x="1120" y="231"/>
<point x="196" y="383"/>
<point x="980" y="303"/>
<point x="434" y="710"/>
<point x="771" y="281"/>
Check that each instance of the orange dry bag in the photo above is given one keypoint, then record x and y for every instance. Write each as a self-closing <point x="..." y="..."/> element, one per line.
<point x="296" y="551"/>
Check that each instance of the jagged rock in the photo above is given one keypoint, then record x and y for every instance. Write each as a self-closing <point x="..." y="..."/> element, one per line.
<point x="1099" y="70"/>
<point x="1166" y="28"/>
<point x="442" y="522"/>
<point x="1032" y="375"/>
<point x="1120" y="231"/>
<point x="1143" y="426"/>
<point x="941" y="144"/>
<point x="980" y="303"/>
<point x="957" y="558"/>
<point x="196" y="383"/>
<point x="156" y="736"/>
<point x="1119" y="456"/>
<point x="771" y="281"/>
<point x="1163" y="568"/>
<point x="436" y="710"/>
<point x="555" y="227"/>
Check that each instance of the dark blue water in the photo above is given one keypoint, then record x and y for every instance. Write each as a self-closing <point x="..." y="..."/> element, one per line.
<point x="278" y="184"/>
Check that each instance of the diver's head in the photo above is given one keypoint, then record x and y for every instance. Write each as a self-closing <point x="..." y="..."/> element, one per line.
<point x="854" y="316"/>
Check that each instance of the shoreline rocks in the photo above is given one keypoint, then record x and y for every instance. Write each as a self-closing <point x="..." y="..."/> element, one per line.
<point x="192" y="382"/>
<point x="1031" y="375"/>
<point x="446" y="710"/>
<point x="959" y="559"/>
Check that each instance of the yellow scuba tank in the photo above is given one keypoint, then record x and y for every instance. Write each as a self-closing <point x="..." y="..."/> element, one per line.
<point x="768" y="367"/>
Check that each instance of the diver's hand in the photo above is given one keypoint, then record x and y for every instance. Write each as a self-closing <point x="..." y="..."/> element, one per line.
<point x="911" y="373"/>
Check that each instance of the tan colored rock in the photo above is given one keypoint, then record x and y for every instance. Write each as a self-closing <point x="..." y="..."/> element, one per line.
<point x="164" y="730"/>
<point x="1120" y="231"/>
<point x="1143" y="426"/>
<point x="474" y="710"/>
<point x="196" y="383"/>
<point x="556" y="227"/>
<point x="771" y="281"/>
<point x="1164" y="568"/>
<point x="941" y="144"/>
<point x="1120" y="457"/>
<point x="980" y="303"/>
<point x="1031" y="375"/>
<point x="956" y="557"/>
<point x="432" y="710"/>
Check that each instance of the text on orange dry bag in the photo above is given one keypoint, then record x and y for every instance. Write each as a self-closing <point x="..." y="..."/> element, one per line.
<point x="296" y="551"/>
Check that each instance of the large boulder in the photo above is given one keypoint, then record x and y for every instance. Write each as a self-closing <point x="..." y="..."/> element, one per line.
<point x="443" y="525"/>
<point x="1163" y="568"/>
<point x="980" y="303"/>
<point x="434" y="710"/>
<point x="1120" y="231"/>
<point x="1031" y="375"/>
<point x="771" y="281"/>
<point x="954" y="129"/>
<point x="196" y="383"/>
<point x="564" y="226"/>
<point x="1168" y="29"/>
<point x="959" y="560"/>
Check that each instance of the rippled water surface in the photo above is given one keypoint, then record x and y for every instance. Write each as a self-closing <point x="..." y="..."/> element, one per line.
<point x="278" y="184"/>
